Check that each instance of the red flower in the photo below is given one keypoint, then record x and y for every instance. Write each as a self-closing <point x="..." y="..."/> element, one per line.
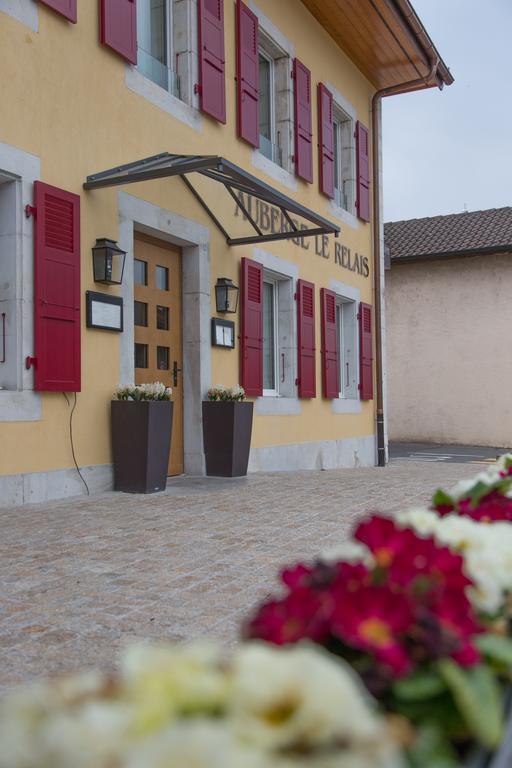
<point x="490" y="508"/>
<point x="412" y="562"/>
<point x="458" y="626"/>
<point x="444" y="509"/>
<point x="375" y="620"/>
<point x="298" y="616"/>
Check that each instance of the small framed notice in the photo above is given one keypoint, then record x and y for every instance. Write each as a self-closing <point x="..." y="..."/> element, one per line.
<point x="104" y="311"/>
<point x="223" y="333"/>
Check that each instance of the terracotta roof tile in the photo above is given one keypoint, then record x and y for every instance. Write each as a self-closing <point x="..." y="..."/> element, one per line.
<point x="455" y="233"/>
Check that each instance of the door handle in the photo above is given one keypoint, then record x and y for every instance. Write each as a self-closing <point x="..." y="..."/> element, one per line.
<point x="175" y="371"/>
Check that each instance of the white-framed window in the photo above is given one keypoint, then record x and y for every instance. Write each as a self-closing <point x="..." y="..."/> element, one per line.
<point x="270" y="337"/>
<point x="346" y="336"/>
<point x="275" y="101"/>
<point x="165" y="33"/>
<point x="344" y="160"/>
<point x="278" y="335"/>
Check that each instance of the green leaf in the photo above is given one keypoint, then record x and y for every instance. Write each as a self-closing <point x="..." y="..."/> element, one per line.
<point x="418" y="687"/>
<point x="440" y="497"/>
<point x="432" y="749"/>
<point x="477" y="695"/>
<point x="477" y="492"/>
<point x="496" y="647"/>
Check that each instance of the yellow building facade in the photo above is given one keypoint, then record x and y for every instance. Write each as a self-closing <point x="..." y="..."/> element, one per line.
<point x="74" y="106"/>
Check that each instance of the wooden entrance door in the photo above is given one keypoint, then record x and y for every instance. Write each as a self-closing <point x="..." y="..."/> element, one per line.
<point x="157" y="318"/>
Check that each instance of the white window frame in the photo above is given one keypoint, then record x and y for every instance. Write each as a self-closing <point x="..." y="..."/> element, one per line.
<point x="271" y="280"/>
<point x="173" y="79"/>
<point x="344" y="158"/>
<point x="186" y="108"/>
<point x="281" y="110"/>
<point x="272" y="111"/>
<point x="348" y="391"/>
<point x="19" y="402"/>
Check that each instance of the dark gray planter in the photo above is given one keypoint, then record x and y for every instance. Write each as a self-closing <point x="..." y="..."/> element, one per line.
<point x="227" y="429"/>
<point x="141" y="442"/>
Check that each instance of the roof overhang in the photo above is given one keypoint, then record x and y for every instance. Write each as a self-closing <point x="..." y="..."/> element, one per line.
<point x="384" y="38"/>
<point x="241" y="186"/>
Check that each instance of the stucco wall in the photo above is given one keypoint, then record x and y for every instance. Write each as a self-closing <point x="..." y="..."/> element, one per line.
<point x="449" y="353"/>
<point x="77" y="108"/>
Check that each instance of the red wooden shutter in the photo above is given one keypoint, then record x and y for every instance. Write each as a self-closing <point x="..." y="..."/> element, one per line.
<point x="363" y="172"/>
<point x="212" y="81"/>
<point x="306" y="338"/>
<point x="303" y="121"/>
<point x="118" y="27"/>
<point x="57" y="289"/>
<point x="330" y="364"/>
<point x="66" y="8"/>
<point x="365" y="352"/>
<point x="251" y="346"/>
<point x="247" y="75"/>
<point x="326" y="140"/>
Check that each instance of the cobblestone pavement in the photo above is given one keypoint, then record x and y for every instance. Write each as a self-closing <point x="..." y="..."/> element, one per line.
<point x="80" y="578"/>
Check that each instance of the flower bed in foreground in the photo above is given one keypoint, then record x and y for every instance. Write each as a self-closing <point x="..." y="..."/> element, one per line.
<point x="418" y="605"/>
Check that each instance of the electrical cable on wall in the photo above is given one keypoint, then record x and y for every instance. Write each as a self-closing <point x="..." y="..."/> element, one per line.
<point x="71" y="440"/>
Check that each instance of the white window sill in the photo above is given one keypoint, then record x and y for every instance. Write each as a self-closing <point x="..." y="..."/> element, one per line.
<point x="340" y="213"/>
<point x="19" y="406"/>
<point x="24" y="12"/>
<point x="273" y="170"/>
<point x="346" y="405"/>
<point x="162" y="99"/>
<point x="269" y="405"/>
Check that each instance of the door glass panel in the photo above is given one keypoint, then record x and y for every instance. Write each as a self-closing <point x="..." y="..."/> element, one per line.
<point x="140" y="272"/>
<point x="268" y="337"/>
<point x="162" y="278"/>
<point x="140" y="313"/>
<point x="162" y="318"/>
<point x="162" y="358"/>
<point x="141" y="355"/>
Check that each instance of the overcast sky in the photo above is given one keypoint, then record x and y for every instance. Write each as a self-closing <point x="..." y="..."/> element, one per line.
<point x="451" y="149"/>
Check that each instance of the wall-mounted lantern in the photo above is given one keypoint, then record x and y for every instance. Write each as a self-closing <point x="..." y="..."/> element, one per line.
<point x="226" y="295"/>
<point x="108" y="262"/>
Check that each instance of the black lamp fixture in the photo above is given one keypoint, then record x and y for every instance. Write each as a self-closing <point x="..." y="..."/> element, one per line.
<point x="226" y="295"/>
<point x="108" y="262"/>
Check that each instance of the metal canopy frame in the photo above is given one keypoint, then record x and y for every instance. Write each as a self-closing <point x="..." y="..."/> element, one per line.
<point x="233" y="178"/>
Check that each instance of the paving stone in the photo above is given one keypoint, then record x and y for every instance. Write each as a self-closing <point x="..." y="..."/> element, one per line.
<point x="82" y="578"/>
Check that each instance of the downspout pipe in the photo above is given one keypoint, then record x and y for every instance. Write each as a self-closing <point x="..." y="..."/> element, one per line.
<point x="407" y="87"/>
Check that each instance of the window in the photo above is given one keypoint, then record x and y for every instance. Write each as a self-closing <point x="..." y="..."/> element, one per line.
<point x="140" y="272"/>
<point x="346" y="337"/>
<point x="344" y="173"/>
<point x="9" y="300"/>
<point x="275" y="97"/>
<point x="141" y="355"/>
<point x="270" y="336"/>
<point x="162" y="358"/>
<point x="140" y="313"/>
<point x="162" y="318"/>
<point x="164" y="44"/>
<point x="279" y="352"/>
<point x="162" y="278"/>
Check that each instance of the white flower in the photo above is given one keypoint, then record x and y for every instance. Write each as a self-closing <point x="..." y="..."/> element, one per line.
<point x="298" y="697"/>
<point x="166" y="681"/>
<point x="153" y="391"/>
<point x="196" y="744"/>
<point x="347" y="552"/>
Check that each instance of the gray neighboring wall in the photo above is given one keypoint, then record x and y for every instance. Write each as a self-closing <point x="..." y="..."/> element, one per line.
<point x="448" y="315"/>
